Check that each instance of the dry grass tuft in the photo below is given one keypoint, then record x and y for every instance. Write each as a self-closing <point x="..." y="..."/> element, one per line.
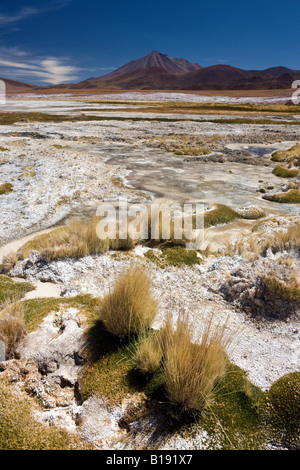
<point x="283" y="290"/>
<point x="192" y="371"/>
<point x="256" y="245"/>
<point x="74" y="241"/>
<point x="12" y="327"/>
<point x="9" y="261"/>
<point x="182" y="144"/>
<point x="252" y="213"/>
<point x="130" y="308"/>
<point x="147" y="354"/>
<point x="166" y="224"/>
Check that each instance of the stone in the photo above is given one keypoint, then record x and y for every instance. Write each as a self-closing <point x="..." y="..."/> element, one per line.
<point x="54" y="348"/>
<point x="99" y="419"/>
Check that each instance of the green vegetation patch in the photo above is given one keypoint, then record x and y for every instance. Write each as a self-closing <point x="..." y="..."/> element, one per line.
<point x="247" y="107"/>
<point x="178" y="256"/>
<point x="278" y="156"/>
<point x="235" y="416"/>
<point x="221" y="214"/>
<point x="286" y="155"/>
<point x="6" y="188"/>
<point x="283" y="409"/>
<point x="11" y="290"/>
<point x="290" y="197"/>
<point x="284" y="172"/>
<point x="108" y="371"/>
<point x="271" y="122"/>
<point x="11" y="118"/>
<point x="173" y="255"/>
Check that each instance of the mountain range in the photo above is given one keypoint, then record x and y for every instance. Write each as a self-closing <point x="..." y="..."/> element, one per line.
<point x="157" y="71"/>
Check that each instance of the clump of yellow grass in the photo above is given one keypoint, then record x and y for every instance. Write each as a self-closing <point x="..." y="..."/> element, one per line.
<point x="130" y="307"/>
<point x="193" y="370"/>
<point x="12" y="326"/>
<point x="74" y="241"/>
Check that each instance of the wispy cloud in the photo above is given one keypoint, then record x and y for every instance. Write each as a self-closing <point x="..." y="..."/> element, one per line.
<point x="6" y="19"/>
<point x="22" y="14"/>
<point x="12" y="52"/>
<point x="17" y="64"/>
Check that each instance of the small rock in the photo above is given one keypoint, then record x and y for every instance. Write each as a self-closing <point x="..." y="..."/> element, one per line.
<point x="99" y="419"/>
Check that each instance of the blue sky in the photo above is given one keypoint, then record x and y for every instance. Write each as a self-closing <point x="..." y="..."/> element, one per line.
<point x="60" y="41"/>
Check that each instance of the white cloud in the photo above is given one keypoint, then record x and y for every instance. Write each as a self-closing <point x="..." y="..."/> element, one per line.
<point x="17" y="64"/>
<point x="55" y="72"/>
<point x="49" y="70"/>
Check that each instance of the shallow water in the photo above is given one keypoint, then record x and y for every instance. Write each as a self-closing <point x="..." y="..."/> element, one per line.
<point x="168" y="176"/>
<point x="260" y="151"/>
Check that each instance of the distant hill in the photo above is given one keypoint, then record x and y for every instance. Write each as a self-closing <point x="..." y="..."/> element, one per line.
<point x="144" y="79"/>
<point x="157" y="71"/>
<point x="155" y="60"/>
<point x="153" y="70"/>
<point x="13" y="86"/>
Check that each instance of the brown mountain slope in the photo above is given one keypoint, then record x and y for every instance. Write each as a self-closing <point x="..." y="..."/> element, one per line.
<point x="155" y="60"/>
<point x="159" y="71"/>
<point x="153" y="78"/>
<point x="13" y="86"/>
<point x="214" y="77"/>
